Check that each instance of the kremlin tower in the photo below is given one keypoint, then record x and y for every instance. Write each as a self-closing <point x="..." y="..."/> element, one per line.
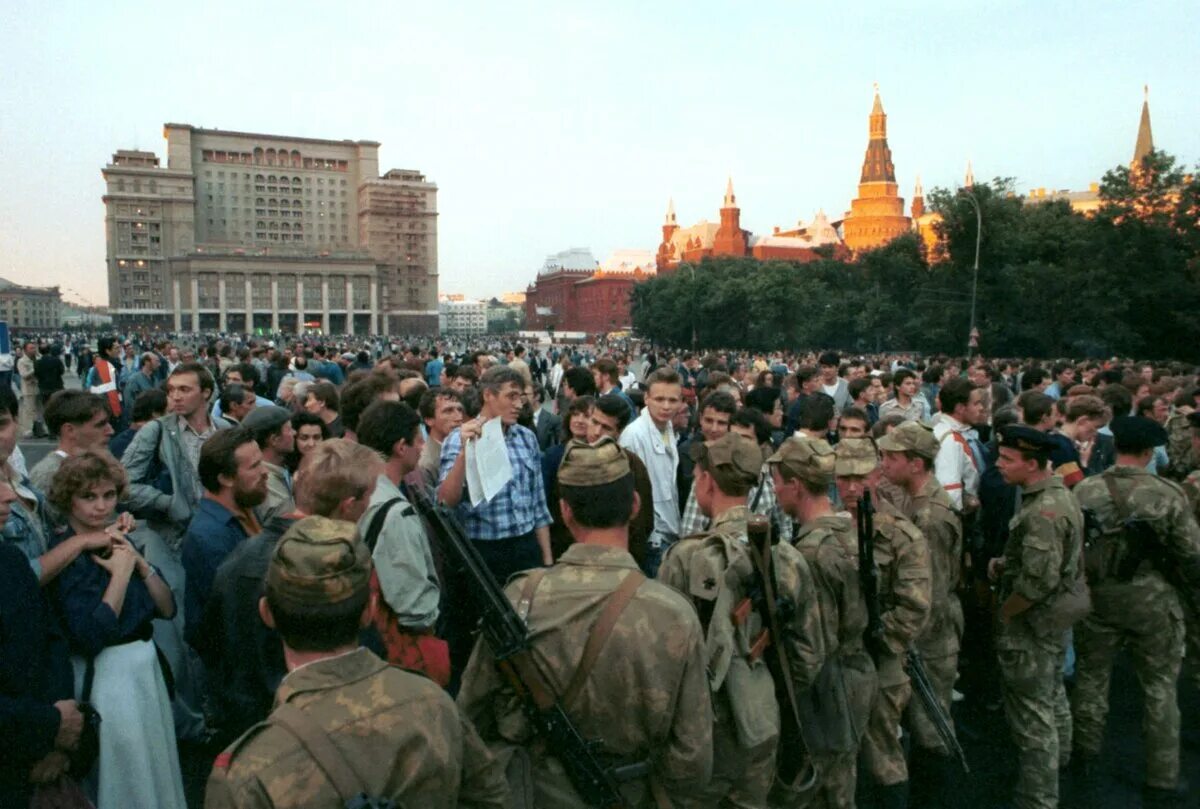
<point x="730" y="239"/>
<point x="876" y="215"/>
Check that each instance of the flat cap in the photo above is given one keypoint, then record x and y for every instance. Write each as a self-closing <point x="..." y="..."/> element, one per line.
<point x="856" y="456"/>
<point x="733" y="459"/>
<point x="911" y="436"/>
<point x="1137" y="433"/>
<point x="263" y="421"/>
<point x="810" y="459"/>
<point x="585" y="464"/>
<point x="1026" y="439"/>
<point x="318" y="561"/>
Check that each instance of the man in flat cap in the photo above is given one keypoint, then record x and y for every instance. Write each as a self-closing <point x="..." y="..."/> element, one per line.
<point x="643" y="691"/>
<point x="345" y="722"/>
<point x="901" y="557"/>
<point x="1146" y="527"/>
<point x="271" y="427"/>
<point x="909" y="452"/>
<point x="1042" y="561"/>
<point x="836" y="710"/>
<point x="716" y="570"/>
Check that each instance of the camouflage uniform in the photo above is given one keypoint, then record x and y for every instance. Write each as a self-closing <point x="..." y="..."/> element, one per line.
<point x="399" y="732"/>
<point x="715" y="571"/>
<point x="647" y="695"/>
<point x="1191" y="487"/>
<point x="1179" y="446"/>
<point x="1143" y="613"/>
<point x="1042" y="555"/>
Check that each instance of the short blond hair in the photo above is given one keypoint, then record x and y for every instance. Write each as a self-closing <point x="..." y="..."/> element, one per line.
<point x="335" y="470"/>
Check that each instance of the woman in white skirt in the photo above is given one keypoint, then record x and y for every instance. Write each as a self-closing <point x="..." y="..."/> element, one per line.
<point x="108" y="604"/>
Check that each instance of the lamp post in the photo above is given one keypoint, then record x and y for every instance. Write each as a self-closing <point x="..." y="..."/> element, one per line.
<point x="972" y="334"/>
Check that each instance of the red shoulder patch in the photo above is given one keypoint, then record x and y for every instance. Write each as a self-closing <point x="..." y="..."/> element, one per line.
<point x="222" y="761"/>
<point x="1049" y="515"/>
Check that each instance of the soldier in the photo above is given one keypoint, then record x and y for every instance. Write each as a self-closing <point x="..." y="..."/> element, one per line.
<point x="908" y="456"/>
<point x="1041" y="561"/>
<point x="1145" y="528"/>
<point x="716" y="571"/>
<point x="1191" y="487"/>
<point x="840" y="702"/>
<point x="646" y="693"/>
<point x="901" y="556"/>
<point x="345" y="722"/>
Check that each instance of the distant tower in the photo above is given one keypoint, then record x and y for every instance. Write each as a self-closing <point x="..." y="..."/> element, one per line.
<point x="876" y="215"/>
<point x="969" y="179"/>
<point x="1145" y="139"/>
<point x="666" y="250"/>
<point x="730" y="239"/>
<point x="918" y="203"/>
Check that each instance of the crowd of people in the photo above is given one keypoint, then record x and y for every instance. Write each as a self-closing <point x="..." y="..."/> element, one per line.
<point x="224" y="552"/>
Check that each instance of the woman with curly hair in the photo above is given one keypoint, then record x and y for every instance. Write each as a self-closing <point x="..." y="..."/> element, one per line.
<point x="108" y="603"/>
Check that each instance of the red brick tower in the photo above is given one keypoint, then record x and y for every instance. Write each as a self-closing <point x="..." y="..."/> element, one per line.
<point x="876" y="215"/>
<point x="666" y="251"/>
<point x="730" y="239"/>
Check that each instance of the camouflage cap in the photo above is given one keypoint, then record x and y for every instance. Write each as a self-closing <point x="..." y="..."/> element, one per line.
<point x="911" y="436"/>
<point x="856" y="456"/>
<point x="733" y="459"/>
<point x="585" y="464"/>
<point x="319" y="561"/>
<point x="810" y="459"/>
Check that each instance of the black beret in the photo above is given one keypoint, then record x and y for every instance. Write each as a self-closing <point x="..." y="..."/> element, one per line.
<point x="1026" y="439"/>
<point x="1137" y="433"/>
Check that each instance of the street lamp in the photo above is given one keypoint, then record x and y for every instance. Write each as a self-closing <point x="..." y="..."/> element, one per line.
<point x="970" y="197"/>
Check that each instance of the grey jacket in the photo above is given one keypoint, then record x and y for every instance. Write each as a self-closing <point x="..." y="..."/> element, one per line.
<point x="168" y="514"/>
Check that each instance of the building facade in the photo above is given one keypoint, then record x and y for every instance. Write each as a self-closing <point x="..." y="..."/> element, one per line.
<point x="245" y="232"/>
<point x="462" y="318"/>
<point x="876" y="215"/>
<point x="25" y="307"/>
<point x="574" y="292"/>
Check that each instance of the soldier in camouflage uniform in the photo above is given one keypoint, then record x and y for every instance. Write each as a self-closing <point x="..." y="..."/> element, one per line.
<point x="1042" y="560"/>
<point x="1191" y="487"/>
<point x="902" y="559"/>
<point x="399" y="734"/>
<point x="908" y="455"/>
<point x="647" y="694"/>
<point x="1134" y="605"/>
<point x="715" y="570"/>
<point x="1181" y="452"/>
<point x="803" y="469"/>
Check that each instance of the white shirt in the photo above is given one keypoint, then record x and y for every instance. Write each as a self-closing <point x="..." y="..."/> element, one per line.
<point x="661" y="457"/>
<point x="954" y="465"/>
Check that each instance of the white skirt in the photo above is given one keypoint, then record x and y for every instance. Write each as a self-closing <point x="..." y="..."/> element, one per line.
<point x="139" y="763"/>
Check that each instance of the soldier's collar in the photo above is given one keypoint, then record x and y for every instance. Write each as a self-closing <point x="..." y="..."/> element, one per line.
<point x="330" y="672"/>
<point x="1052" y="482"/>
<point x="736" y="517"/>
<point x="581" y="553"/>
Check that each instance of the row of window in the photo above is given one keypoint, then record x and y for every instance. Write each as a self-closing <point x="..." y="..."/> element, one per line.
<point x="272" y="157"/>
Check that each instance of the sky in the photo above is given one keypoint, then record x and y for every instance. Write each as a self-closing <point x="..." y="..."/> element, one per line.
<point x="555" y="125"/>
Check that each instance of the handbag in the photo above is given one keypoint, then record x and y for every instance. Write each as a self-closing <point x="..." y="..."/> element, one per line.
<point x="85" y="755"/>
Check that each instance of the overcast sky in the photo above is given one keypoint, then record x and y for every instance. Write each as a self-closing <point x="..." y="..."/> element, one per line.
<point x="556" y="125"/>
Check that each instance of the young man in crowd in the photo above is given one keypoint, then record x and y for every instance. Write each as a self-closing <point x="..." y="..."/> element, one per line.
<point x="441" y="411"/>
<point x="80" y="422"/>
<point x="323" y="400"/>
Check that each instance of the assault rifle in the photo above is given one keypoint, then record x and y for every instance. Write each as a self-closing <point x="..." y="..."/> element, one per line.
<point x="868" y="577"/>
<point x="597" y="783"/>
<point x="915" y="667"/>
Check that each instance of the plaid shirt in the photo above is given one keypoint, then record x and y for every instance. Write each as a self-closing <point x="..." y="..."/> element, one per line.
<point x="694" y="521"/>
<point x="520" y="506"/>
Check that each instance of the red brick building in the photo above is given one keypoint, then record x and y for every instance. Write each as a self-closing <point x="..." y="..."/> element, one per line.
<point x="573" y="293"/>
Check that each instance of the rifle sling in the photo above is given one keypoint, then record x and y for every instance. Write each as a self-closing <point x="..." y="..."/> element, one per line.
<point x="1119" y="500"/>
<point x="763" y="563"/>
<point x="324" y="753"/>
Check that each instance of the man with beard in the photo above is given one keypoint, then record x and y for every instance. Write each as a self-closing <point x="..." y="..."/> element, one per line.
<point x="234" y="477"/>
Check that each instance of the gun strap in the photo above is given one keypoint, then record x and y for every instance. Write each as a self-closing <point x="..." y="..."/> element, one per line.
<point x="321" y="749"/>
<point x="614" y="605"/>
<point x="531" y="584"/>
<point x="1119" y="500"/>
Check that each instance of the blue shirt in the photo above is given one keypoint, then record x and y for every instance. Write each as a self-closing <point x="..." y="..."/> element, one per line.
<point x="520" y="506"/>
<point x="212" y="535"/>
<point x="433" y="371"/>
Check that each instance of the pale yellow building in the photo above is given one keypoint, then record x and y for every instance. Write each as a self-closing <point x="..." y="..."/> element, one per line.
<point x="25" y="307"/>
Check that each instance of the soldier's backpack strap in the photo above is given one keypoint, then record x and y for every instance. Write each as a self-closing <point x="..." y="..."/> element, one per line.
<point x="321" y="749"/>
<point x="531" y="584"/>
<point x="614" y="605"/>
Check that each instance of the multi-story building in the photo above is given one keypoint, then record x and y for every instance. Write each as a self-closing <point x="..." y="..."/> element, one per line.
<point x="575" y="293"/>
<point x="25" y="307"/>
<point x="249" y="232"/>
<point x="462" y="318"/>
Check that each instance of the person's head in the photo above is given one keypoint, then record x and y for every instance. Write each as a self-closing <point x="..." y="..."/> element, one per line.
<point x="149" y="404"/>
<point x="749" y="423"/>
<point x="1085" y="415"/>
<point x="962" y="401"/>
<point x="393" y="429"/>
<point x="79" y="419"/>
<point x="310" y="431"/>
<point x="726" y="467"/>
<point x="856" y="469"/>
<point x="578" y="418"/>
<point x="664" y="395"/>
<point x="8" y="496"/>
<point x="816" y="413"/>
<point x="1153" y="407"/>
<point x="802" y="470"/>
<point x="828" y="363"/>
<point x="1037" y="409"/>
<point x="609" y="416"/>
<point x="860" y="390"/>
<point x="108" y="347"/>
<point x="336" y="479"/>
<point x="908" y="453"/>
<point x="906" y="383"/>
<point x="716" y="410"/>
<point x="1064" y="375"/>
<point x="231" y="468"/>
<point x="29" y="349"/>
<point x="1024" y="454"/>
<point x="188" y="389"/>
<point x="8" y="423"/>
<point x="578" y="382"/>
<point x="358" y="395"/>
<point x="808" y="379"/>
<point x="767" y="402"/>
<point x="317" y="591"/>
<point x="322" y="398"/>
<point x="465" y="377"/>
<point x="149" y="363"/>
<point x="606" y="374"/>
<point x="854" y="422"/>
<point x="1147" y="373"/>
<point x="86" y="489"/>
<point x="503" y="391"/>
<point x="442" y="411"/>
<point x="1136" y="437"/>
<point x="273" y="432"/>
<point x="1035" y="379"/>
<point x="595" y="486"/>
<point x="237" y="401"/>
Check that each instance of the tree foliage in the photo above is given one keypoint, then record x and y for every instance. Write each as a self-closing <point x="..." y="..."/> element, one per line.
<point x="1051" y="282"/>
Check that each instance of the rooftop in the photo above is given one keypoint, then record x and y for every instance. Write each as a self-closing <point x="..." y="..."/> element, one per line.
<point x="265" y="136"/>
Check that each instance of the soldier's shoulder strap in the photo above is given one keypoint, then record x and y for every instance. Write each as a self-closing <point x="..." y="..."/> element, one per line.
<point x="614" y="605"/>
<point x="225" y="758"/>
<point x="313" y="738"/>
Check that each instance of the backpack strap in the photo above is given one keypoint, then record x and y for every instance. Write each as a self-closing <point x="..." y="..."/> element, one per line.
<point x="321" y="749"/>
<point x="376" y="526"/>
<point x="614" y="605"/>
